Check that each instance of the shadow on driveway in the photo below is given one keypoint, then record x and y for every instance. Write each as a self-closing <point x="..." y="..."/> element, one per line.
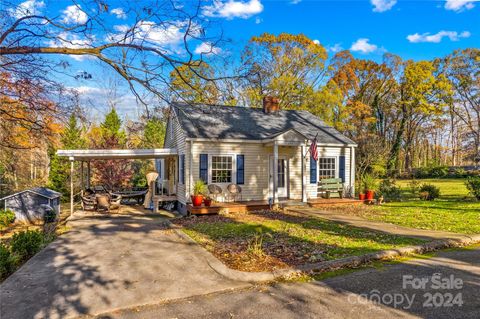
<point x="104" y="264"/>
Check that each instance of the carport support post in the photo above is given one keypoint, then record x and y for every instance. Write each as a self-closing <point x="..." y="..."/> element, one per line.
<point x="71" y="185"/>
<point x="88" y="174"/>
<point x="81" y="177"/>
<point x="304" y="184"/>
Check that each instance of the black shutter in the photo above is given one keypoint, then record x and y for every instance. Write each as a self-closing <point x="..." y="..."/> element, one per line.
<point x="204" y="167"/>
<point x="313" y="170"/>
<point x="182" y="169"/>
<point x="341" y="168"/>
<point x="240" y="169"/>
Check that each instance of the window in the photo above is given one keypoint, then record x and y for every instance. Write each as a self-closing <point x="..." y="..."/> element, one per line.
<point x="222" y="169"/>
<point x="326" y="167"/>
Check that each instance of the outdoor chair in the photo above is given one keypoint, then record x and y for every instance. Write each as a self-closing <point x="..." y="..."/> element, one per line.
<point x="234" y="191"/>
<point x="106" y="203"/>
<point x="214" y="191"/>
<point x="89" y="203"/>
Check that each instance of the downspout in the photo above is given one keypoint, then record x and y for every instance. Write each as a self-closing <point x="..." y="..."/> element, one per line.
<point x="190" y="171"/>
<point x="352" y="170"/>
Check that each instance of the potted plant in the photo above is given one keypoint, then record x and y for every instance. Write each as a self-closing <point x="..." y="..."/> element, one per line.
<point x="370" y="184"/>
<point x="207" y="201"/>
<point x="199" y="188"/>
<point x="361" y="195"/>
<point x="361" y="192"/>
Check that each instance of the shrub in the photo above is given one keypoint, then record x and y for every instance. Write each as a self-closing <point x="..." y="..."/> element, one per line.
<point x="460" y="172"/>
<point x="422" y="172"/>
<point x="50" y="215"/>
<point x="429" y="192"/>
<point x="7" y="262"/>
<point x="439" y="171"/>
<point x="25" y="244"/>
<point x="414" y="186"/>
<point x="6" y="217"/>
<point x="473" y="186"/>
<point x="389" y="190"/>
<point x="369" y="182"/>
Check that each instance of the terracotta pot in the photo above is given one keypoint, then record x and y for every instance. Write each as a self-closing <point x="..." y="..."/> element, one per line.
<point x="207" y="202"/>
<point x="361" y="196"/>
<point x="197" y="200"/>
<point x="370" y="195"/>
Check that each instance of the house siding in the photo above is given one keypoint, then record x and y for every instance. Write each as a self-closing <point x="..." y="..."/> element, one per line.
<point x="256" y="163"/>
<point x="331" y="152"/>
<point x="177" y="141"/>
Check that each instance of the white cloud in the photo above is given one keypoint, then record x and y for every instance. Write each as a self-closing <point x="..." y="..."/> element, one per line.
<point x="295" y="1"/>
<point x="121" y="28"/>
<point x="317" y="42"/>
<point x="437" y="37"/>
<point x="337" y="47"/>
<point x="459" y="5"/>
<point x="74" y="14"/>
<point x="258" y="20"/>
<point x="233" y="9"/>
<point x="206" y="48"/>
<point x="72" y="41"/>
<point x="168" y="37"/>
<point x="119" y="13"/>
<point x="362" y="45"/>
<point x="29" y="7"/>
<point x="382" y="5"/>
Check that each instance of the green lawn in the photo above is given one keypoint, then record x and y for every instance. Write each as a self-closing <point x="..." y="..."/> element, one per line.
<point x="454" y="211"/>
<point x="268" y="240"/>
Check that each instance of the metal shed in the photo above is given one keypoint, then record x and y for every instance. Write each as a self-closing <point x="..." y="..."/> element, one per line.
<point x="29" y="205"/>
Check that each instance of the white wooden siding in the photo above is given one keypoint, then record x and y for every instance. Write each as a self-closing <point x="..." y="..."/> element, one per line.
<point x="330" y="152"/>
<point x="177" y="140"/>
<point x="257" y="156"/>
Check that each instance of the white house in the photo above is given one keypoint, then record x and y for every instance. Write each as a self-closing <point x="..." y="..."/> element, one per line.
<point x="225" y="145"/>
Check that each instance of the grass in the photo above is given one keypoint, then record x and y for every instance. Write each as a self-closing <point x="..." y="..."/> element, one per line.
<point x="454" y="211"/>
<point x="268" y="240"/>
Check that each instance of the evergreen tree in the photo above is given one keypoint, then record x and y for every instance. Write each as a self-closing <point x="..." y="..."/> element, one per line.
<point x="112" y="173"/>
<point x="154" y="133"/>
<point x="59" y="175"/>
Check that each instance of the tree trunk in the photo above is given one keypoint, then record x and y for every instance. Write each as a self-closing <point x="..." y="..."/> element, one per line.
<point x="392" y="162"/>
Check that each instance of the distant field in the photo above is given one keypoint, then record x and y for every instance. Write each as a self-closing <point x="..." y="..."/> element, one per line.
<point x="450" y="188"/>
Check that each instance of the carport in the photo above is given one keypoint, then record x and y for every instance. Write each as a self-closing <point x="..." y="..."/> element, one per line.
<point x="88" y="155"/>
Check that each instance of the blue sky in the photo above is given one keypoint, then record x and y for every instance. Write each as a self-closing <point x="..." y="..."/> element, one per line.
<point x="412" y="29"/>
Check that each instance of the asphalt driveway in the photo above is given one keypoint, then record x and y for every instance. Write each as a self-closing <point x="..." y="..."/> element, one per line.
<point x="104" y="264"/>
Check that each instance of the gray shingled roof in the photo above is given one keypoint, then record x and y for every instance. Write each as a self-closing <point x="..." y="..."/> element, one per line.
<point x="42" y="191"/>
<point x="222" y="122"/>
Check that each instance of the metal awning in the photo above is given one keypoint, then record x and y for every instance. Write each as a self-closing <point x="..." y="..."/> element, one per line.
<point x="99" y="154"/>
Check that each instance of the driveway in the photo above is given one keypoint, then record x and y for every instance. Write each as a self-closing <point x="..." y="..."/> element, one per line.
<point x="392" y="291"/>
<point x="104" y="264"/>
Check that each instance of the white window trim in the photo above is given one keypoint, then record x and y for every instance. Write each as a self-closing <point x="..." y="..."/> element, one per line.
<point x="337" y="172"/>
<point x="234" y="168"/>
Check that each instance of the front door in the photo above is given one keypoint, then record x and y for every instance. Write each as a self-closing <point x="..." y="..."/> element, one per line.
<point x="282" y="176"/>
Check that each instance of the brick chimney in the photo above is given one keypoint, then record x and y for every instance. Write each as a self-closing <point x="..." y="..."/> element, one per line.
<point x="270" y="104"/>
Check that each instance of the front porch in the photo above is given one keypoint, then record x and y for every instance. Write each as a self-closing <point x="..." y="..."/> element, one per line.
<point x="256" y="205"/>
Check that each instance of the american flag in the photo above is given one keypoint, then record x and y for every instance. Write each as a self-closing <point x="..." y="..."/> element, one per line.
<point x="313" y="149"/>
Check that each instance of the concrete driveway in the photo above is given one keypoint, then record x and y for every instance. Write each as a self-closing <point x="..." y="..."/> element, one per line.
<point x="104" y="264"/>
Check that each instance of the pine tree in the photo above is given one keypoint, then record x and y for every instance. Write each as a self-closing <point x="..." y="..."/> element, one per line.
<point x="112" y="173"/>
<point x="59" y="175"/>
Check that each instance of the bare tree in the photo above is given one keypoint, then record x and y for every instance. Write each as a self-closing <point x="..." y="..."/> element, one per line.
<point x="158" y="39"/>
